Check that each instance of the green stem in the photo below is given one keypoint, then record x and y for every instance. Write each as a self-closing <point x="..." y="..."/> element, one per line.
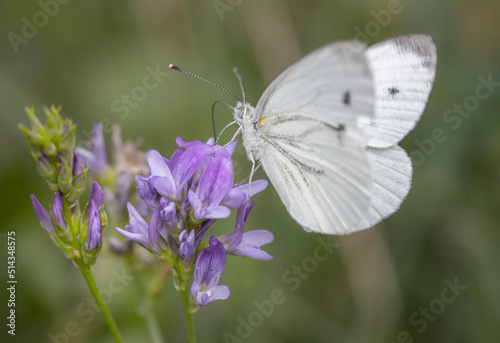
<point x="187" y="310"/>
<point x="85" y="269"/>
<point x="147" y="308"/>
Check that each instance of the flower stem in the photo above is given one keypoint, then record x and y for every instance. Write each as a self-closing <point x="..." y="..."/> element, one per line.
<point x="85" y="269"/>
<point x="189" y="319"/>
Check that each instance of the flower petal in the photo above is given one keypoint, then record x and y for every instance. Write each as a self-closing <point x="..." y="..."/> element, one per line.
<point x="136" y="237"/>
<point x="168" y="214"/>
<point x="194" y="201"/>
<point x="235" y="198"/>
<point x="210" y="264"/>
<point x="163" y="185"/>
<point x="251" y="243"/>
<point x="136" y="221"/>
<point x="58" y="210"/>
<point x="219" y="293"/>
<point x="154" y="238"/>
<point x="231" y="147"/>
<point x="96" y="195"/>
<point x="257" y="186"/>
<point x="94" y="230"/>
<point x="188" y="163"/>
<point x="146" y="192"/>
<point x="232" y="240"/>
<point x="216" y="181"/>
<point x="42" y="214"/>
<point x="158" y="164"/>
<point x="216" y="212"/>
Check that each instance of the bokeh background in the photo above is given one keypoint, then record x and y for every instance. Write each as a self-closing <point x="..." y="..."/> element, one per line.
<point x="89" y="53"/>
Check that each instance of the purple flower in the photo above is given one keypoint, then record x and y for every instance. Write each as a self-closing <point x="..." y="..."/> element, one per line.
<point x="247" y="244"/>
<point x="168" y="214"/>
<point x="137" y="230"/>
<point x="95" y="157"/>
<point x="78" y="170"/>
<point x="97" y="196"/>
<point x="149" y="235"/>
<point x="42" y="215"/>
<point x="94" y="231"/>
<point x="209" y="267"/>
<point x="79" y="174"/>
<point x="92" y="218"/>
<point x="238" y="196"/>
<point x="213" y="186"/>
<point x="186" y="247"/>
<point x="58" y="211"/>
<point x="147" y="192"/>
<point x="186" y="194"/>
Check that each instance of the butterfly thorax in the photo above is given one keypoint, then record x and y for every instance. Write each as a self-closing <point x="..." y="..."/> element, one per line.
<point x="246" y="117"/>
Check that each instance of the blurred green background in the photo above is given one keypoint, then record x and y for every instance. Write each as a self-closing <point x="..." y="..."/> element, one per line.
<point x="87" y="54"/>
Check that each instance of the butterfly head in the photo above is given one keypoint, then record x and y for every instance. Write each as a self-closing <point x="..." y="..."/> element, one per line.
<point x="242" y="111"/>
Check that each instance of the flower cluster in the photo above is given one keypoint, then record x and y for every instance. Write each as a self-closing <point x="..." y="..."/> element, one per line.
<point x="76" y="234"/>
<point x="52" y="146"/>
<point x="186" y="195"/>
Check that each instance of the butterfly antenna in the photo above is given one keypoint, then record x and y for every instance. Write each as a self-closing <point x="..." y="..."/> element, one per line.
<point x="173" y="67"/>
<point x="238" y="76"/>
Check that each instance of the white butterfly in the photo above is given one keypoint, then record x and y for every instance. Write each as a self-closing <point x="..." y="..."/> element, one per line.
<point x="326" y="131"/>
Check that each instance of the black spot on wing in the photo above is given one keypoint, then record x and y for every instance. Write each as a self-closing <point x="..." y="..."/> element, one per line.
<point x="393" y="91"/>
<point x="347" y="98"/>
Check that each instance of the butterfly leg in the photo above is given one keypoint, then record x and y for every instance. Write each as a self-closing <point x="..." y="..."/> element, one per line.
<point x="254" y="169"/>
<point x="224" y="129"/>
<point x="234" y="137"/>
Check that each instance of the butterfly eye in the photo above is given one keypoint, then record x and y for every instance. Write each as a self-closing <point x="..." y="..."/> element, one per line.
<point x="240" y="112"/>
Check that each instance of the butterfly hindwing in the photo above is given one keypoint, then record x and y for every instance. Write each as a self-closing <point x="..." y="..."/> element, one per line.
<point x="320" y="171"/>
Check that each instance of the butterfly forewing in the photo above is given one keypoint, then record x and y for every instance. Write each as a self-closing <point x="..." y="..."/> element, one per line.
<point x="403" y="70"/>
<point x="332" y="84"/>
<point x="308" y="143"/>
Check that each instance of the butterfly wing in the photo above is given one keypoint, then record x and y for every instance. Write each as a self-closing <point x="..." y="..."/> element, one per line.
<point x="403" y="70"/>
<point x="320" y="171"/>
<point x="332" y="84"/>
<point x="308" y="143"/>
<point x="391" y="173"/>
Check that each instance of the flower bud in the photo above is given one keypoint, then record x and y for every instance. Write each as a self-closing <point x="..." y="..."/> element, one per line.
<point x="55" y="139"/>
<point x="94" y="230"/>
<point x="59" y="220"/>
<point x="79" y="178"/>
<point x="65" y="177"/>
<point x="46" y="168"/>
<point x="42" y="215"/>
